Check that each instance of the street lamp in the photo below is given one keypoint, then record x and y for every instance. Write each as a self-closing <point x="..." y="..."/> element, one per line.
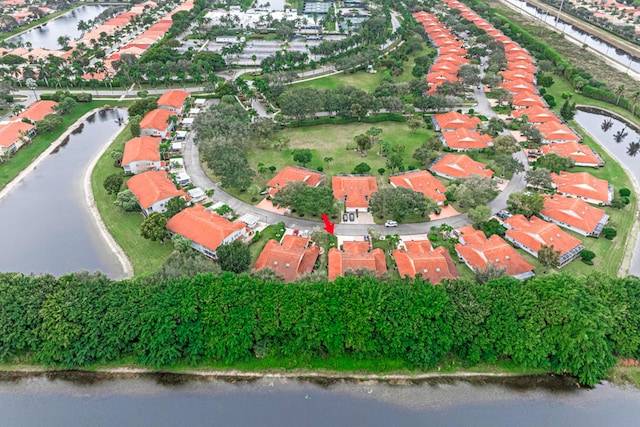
<point x="558" y="17"/>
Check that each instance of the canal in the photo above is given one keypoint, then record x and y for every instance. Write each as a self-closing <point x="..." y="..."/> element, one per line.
<point x="610" y="51"/>
<point x="45" y="224"/>
<point x="626" y="152"/>
<point x="161" y="400"/>
<point x="46" y="36"/>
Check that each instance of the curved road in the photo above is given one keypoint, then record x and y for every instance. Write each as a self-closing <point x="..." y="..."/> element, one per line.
<point x="200" y="179"/>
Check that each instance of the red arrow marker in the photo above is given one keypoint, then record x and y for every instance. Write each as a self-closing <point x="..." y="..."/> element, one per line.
<point x="327" y="225"/>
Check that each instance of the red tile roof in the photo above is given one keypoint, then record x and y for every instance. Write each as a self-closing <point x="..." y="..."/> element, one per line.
<point x="202" y="226"/>
<point x="460" y="166"/>
<point x="152" y="187"/>
<point x="536" y="115"/>
<point x="421" y="258"/>
<point x="422" y="182"/>
<point x="294" y="173"/>
<point x="37" y="111"/>
<point x="464" y="139"/>
<point x="173" y="98"/>
<point x="156" y="119"/>
<point x="141" y="148"/>
<point x="478" y="251"/>
<point x="358" y="189"/>
<point x="516" y="86"/>
<point x="455" y="120"/>
<point x="554" y="131"/>
<point x="518" y="75"/>
<point x="527" y="99"/>
<point x="289" y="260"/>
<point x="12" y="131"/>
<point x="536" y="232"/>
<point x="582" y="154"/>
<point x="582" y="184"/>
<point x="574" y="212"/>
<point x="354" y="258"/>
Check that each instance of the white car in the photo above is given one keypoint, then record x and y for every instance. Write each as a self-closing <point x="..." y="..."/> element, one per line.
<point x="391" y="224"/>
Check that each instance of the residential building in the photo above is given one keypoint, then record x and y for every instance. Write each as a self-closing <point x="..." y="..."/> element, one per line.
<point x="454" y="166"/>
<point x="575" y="215"/>
<point x="582" y="154"/>
<point x="141" y="154"/>
<point x="422" y="182"/>
<point x="477" y="252"/>
<point x="290" y="258"/>
<point x="14" y="135"/>
<point x="558" y="133"/>
<point x="585" y="186"/>
<point x="156" y="123"/>
<point x="536" y="115"/>
<point x="418" y="257"/>
<point x="173" y="100"/>
<point x="354" y="190"/>
<point x="464" y="140"/>
<point x="454" y="120"/>
<point x="356" y="256"/>
<point x="37" y="111"/>
<point x="531" y="234"/>
<point x="527" y="100"/>
<point x="291" y="174"/>
<point x="153" y="190"/>
<point x="206" y="230"/>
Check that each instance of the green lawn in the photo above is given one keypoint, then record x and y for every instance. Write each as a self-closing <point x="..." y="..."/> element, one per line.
<point x="25" y="155"/>
<point x="273" y="231"/>
<point x="332" y="141"/>
<point x="145" y="255"/>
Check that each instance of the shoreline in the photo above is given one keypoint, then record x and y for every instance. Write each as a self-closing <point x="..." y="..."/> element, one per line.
<point x="123" y="259"/>
<point x="634" y="232"/>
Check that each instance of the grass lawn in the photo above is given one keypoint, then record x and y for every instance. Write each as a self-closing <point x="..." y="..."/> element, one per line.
<point x="332" y="141"/>
<point x="25" y="155"/>
<point x="145" y="255"/>
<point x="273" y="231"/>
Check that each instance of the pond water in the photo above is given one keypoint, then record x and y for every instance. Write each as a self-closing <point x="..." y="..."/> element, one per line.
<point x="45" y="224"/>
<point x="626" y="152"/>
<point x="593" y="42"/>
<point x="161" y="400"/>
<point x="46" y="36"/>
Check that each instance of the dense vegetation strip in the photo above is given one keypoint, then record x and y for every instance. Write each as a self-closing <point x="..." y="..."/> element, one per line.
<point x="560" y="323"/>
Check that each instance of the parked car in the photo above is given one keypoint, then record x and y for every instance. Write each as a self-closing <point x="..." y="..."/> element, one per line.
<point x="352" y="216"/>
<point x="503" y="215"/>
<point x="390" y="223"/>
<point x="345" y="217"/>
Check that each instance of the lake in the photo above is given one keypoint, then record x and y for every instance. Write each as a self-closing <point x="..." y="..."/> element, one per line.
<point x="45" y="224"/>
<point x="46" y="36"/>
<point x="169" y="400"/>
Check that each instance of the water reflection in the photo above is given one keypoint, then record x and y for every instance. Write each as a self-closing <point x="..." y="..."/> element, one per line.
<point x="171" y="400"/>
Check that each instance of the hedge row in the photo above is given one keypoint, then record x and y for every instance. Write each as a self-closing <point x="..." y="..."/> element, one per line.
<point x="383" y="117"/>
<point x="557" y="322"/>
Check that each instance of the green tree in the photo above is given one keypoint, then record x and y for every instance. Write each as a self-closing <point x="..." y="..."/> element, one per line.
<point x="234" y="257"/>
<point x="302" y="155"/>
<point x="508" y="164"/>
<point x="479" y="215"/>
<point x="174" y="206"/>
<point x="555" y="163"/>
<point x="66" y="105"/>
<point x="400" y="202"/>
<point x="525" y="203"/>
<point x="49" y="123"/>
<point x="568" y="110"/>
<point x="424" y="155"/>
<point x="415" y="123"/>
<point x="473" y="191"/>
<point x="180" y="243"/>
<point x="505" y="144"/>
<point x="361" y="168"/>
<point x="490" y="272"/>
<point x="134" y="125"/>
<point x="587" y="256"/>
<point x="491" y="227"/>
<point x="545" y="80"/>
<point x="113" y="183"/>
<point x="154" y="227"/>
<point x="549" y="257"/>
<point x="363" y="142"/>
<point x="127" y="201"/>
<point x="306" y="200"/>
<point x="539" y="178"/>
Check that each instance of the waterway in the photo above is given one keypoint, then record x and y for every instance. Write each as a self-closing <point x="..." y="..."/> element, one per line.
<point x="46" y="36"/>
<point x="45" y="224"/>
<point x="610" y="51"/>
<point x="626" y="152"/>
<point x="161" y="400"/>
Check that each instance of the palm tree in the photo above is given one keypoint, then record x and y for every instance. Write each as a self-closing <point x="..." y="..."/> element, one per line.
<point x="633" y="148"/>
<point x="619" y="91"/>
<point x="634" y="100"/>
<point x="328" y="160"/>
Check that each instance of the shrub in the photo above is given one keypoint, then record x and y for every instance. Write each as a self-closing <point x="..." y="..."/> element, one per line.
<point x="566" y="95"/>
<point x="609" y="233"/>
<point x="319" y="168"/>
<point x="624" y="192"/>
<point x="617" y="203"/>
<point x="587" y="256"/>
